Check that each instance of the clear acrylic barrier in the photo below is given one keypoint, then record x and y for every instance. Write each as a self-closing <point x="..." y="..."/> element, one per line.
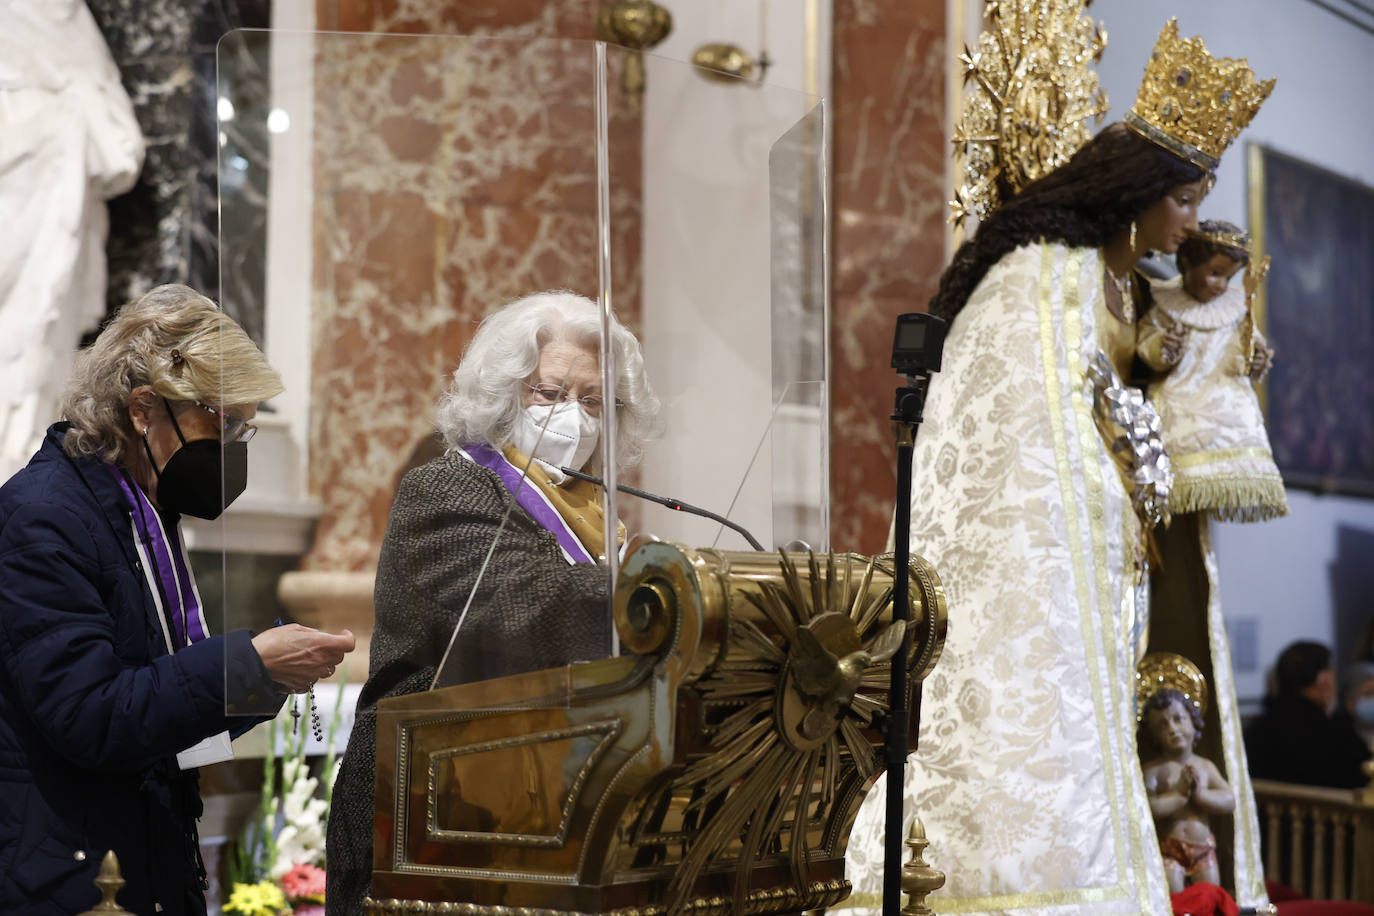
<point x="402" y="188"/>
<point x="734" y="306"/>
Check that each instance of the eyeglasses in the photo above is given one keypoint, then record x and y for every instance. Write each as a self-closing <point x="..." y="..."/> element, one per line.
<point x="231" y="429"/>
<point x="552" y="394"/>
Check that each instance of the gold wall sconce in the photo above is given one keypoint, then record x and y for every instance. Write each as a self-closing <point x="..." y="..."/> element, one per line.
<point x="726" y="62"/>
<point x="637" y="25"/>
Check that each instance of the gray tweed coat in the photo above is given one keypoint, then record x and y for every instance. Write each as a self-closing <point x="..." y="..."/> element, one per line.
<point x="533" y="610"/>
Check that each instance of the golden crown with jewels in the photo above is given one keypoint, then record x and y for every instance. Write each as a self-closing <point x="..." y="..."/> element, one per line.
<point x="1194" y="104"/>
<point x="1240" y="241"/>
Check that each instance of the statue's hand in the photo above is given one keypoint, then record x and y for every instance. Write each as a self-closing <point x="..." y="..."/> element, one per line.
<point x="1175" y="337"/>
<point x="1261" y="362"/>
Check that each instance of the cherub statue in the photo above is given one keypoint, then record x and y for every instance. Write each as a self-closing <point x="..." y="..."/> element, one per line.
<point x="1183" y="788"/>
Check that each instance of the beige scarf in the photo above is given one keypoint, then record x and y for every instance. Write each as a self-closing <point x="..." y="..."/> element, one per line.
<point x="577" y="501"/>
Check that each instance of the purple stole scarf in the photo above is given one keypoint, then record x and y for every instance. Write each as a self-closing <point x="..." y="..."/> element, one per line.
<point x="165" y="567"/>
<point x="530" y="498"/>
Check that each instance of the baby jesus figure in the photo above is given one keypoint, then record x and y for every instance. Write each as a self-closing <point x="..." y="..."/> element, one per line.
<point x="1183" y="788"/>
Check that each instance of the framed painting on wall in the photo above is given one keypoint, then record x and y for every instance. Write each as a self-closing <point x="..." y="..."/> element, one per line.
<point x="1317" y="311"/>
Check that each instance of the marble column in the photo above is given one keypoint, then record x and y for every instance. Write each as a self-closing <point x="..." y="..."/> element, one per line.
<point x="887" y="243"/>
<point x="165" y="230"/>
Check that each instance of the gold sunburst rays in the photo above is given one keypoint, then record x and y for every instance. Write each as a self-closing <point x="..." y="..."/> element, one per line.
<point x="864" y="618"/>
<point x="864" y="706"/>
<point x="764" y="774"/>
<point x="774" y="607"/>
<point x="750" y="801"/>
<point x="749" y="633"/>
<point x="715" y="776"/>
<point x="859" y="748"/>
<point x="1032" y="95"/>
<point x="800" y="608"/>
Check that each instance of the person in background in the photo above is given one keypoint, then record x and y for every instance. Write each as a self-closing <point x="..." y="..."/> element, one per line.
<point x="1295" y="739"/>
<point x="112" y="690"/>
<point x="1357" y="701"/>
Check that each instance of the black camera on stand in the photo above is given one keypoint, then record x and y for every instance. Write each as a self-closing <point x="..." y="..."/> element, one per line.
<point x="916" y="348"/>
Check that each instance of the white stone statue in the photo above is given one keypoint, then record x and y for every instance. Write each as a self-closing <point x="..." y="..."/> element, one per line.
<point x="68" y="143"/>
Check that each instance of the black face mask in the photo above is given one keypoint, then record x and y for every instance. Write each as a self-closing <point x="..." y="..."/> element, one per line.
<point x="202" y="477"/>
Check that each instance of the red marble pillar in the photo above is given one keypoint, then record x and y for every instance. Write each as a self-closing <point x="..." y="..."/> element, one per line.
<point x="451" y="176"/>
<point x="888" y="179"/>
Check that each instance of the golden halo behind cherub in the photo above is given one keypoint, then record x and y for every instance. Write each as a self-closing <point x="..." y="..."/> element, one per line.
<point x="1159" y="670"/>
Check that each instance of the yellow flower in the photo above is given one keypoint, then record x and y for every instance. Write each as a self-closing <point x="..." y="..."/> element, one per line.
<point x="261" y="899"/>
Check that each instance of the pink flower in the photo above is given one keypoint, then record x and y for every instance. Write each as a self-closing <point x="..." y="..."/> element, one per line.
<point x="310" y="909"/>
<point x="304" y="881"/>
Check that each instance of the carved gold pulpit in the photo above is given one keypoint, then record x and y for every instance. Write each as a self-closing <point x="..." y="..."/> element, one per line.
<point x="717" y="767"/>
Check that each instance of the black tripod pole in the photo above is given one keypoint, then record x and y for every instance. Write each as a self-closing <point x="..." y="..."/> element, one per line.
<point x="906" y="414"/>
<point x="917" y="346"/>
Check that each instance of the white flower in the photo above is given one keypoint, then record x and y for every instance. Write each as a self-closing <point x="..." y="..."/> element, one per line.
<point x="301" y="839"/>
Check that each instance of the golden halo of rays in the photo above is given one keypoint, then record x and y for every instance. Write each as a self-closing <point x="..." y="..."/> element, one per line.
<point x="1160" y="670"/>
<point x="1033" y="91"/>
<point x="755" y="778"/>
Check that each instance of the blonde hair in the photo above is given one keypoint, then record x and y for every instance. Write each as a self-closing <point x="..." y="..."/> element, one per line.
<point x="177" y="342"/>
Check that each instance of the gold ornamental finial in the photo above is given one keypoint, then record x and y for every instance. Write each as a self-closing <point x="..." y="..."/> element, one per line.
<point x="919" y="880"/>
<point x="109" y="881"/>
<point x="1034" y="92"/>
<point x="1159" y="670"/>
<point x="1194" y="104"/>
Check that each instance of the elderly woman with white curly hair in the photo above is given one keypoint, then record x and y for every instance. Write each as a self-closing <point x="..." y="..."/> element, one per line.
<point x="525" y="401"/>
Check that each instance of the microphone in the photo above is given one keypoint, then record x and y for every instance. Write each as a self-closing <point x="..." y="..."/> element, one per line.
<point x="675" y="504"/>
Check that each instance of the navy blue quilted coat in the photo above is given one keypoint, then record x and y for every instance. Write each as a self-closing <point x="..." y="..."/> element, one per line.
<point x="93" y="709"/>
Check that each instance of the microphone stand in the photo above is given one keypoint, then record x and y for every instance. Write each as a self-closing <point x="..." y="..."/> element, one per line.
<point x="906" y="416"/>
<point x="675" y="504"/>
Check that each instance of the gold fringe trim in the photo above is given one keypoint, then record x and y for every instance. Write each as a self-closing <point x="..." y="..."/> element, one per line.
<point x="1231" y="498"/>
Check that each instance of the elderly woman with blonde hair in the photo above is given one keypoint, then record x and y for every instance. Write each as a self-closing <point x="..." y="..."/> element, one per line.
<point x="112" y="690"/>
<point x="525" y="402"/>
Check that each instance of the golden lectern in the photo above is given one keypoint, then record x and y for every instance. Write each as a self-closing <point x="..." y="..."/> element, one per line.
<point x="715" y="767"/>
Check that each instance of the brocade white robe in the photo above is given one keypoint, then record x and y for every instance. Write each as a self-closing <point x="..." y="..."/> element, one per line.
<point x="1212" y="418"/>
<point x="1026" y="778"/>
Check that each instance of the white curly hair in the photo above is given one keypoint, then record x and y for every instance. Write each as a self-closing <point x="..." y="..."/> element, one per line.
<point x="484" y="397"/>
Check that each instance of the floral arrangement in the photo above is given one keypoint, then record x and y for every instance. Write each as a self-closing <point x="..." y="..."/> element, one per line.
<point x="278" y="866"/>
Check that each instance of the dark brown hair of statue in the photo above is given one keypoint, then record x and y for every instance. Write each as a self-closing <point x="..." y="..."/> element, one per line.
<point x="1085" y="203"/>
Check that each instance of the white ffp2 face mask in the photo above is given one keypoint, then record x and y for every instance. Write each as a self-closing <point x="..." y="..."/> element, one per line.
<point x="568" y="440"/>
